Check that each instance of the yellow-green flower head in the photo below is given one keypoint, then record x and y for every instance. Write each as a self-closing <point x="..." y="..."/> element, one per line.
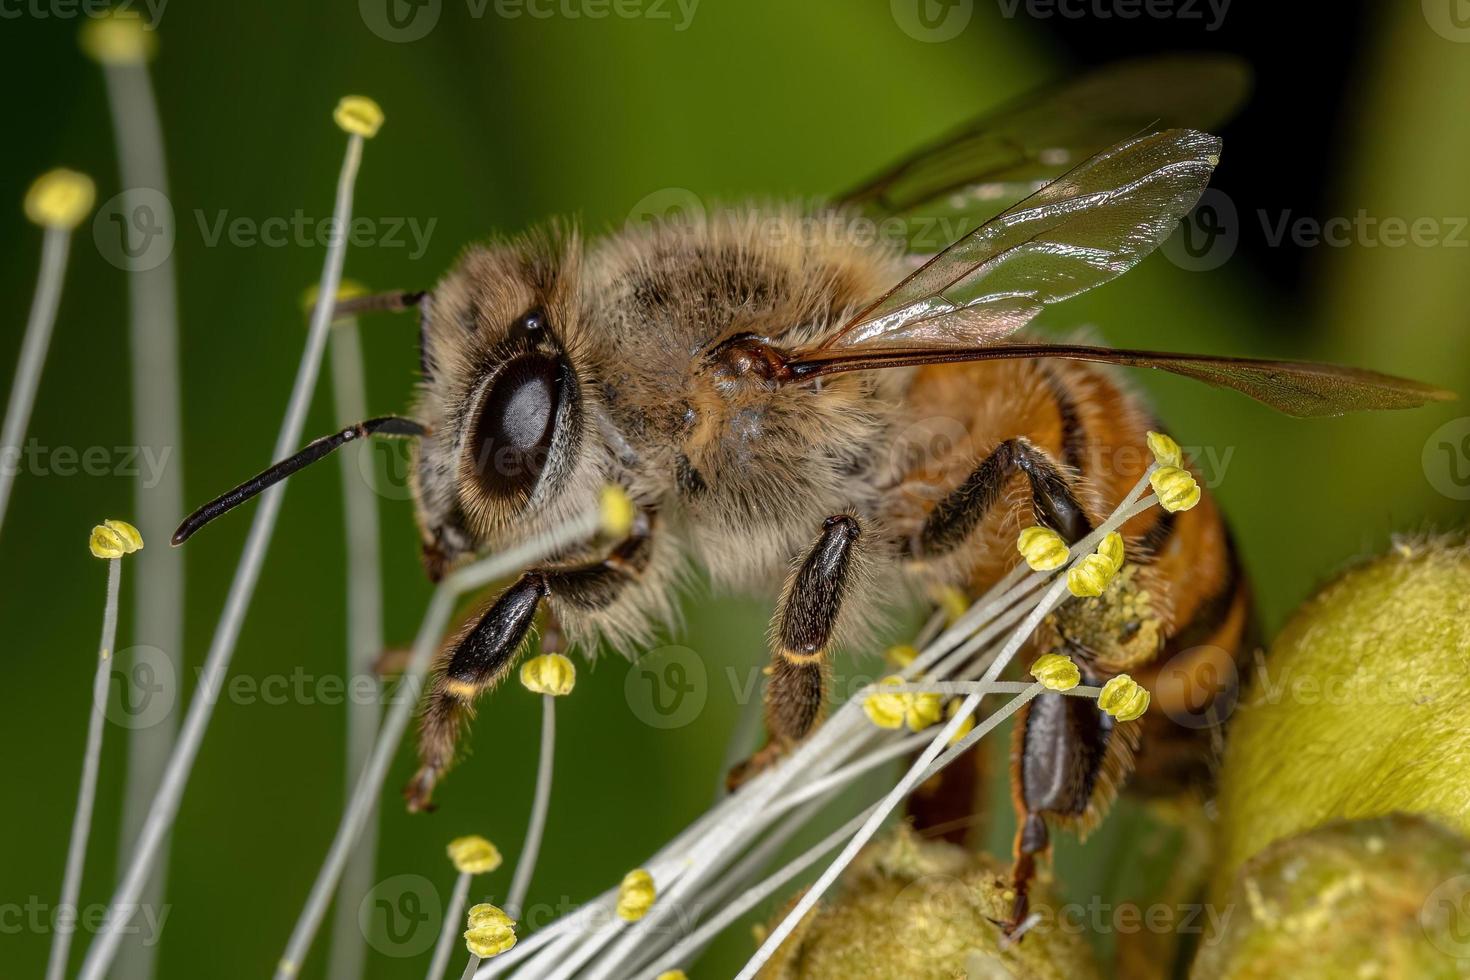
<point x="358" y="115"/>
<point x="113" y="539"/>
<point x="900" y="656"/>
<point x="1175" y="486"/>
<point x="1123" y="698"/>
<point x="672" y="975"/>
<point x="550" y="673"/>
<point x="473" y="855"/>
<point x="886" y="710"/>
<point x="346" y="289"/>
<point x="1043" y="548"/>
<point x="636" y="895"/>
<point x="1111" y="548"/>
<point x="617" y="511"/>
<point x="1090" y="576"/>
<point x="119" y="38"/>
<point x="60" y="198"/>
<point x="1056" y="672"/>
<point x="490" y="933"/>
<point x="1166" y="451"/>
<point x="966" y="726"/>
<point x="923" y="710"/>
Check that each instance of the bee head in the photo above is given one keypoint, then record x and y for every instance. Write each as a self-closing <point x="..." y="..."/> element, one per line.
<point x="505" y="399"/>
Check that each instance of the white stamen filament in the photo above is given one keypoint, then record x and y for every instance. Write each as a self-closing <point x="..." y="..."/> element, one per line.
<point x="165" y="803"/>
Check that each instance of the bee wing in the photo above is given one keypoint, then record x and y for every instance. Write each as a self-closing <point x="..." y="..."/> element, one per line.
<point x="1090" y="225"/>
<point x="1005" y="154"/>
<point x="1297" y="388"/>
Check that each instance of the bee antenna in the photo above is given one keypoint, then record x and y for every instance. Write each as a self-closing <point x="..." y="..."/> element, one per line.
<point x="388" y="425"/>
<point x="379" y="303"/>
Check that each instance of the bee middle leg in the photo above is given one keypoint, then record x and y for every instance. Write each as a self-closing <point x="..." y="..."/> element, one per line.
<point x="796" y="692"/>
<point x="482" y="655"/>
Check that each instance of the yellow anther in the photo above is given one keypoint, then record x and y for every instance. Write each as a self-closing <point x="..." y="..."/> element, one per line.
<point x="966" y="726"/>
<point x="113" y="539"/>
<point x="473" y="855"/>
<point x="1175" y="486"/>
<point x="1123" y="698"/>
<point x="119" y="38"/>
<point x="1111" y="548"/>
<point x="359" y="115"/>
<point x="886" y="710"/>
<point x="1043" y="548"/>
<point x="1056" y="672"/>
<point x="1166" y="451"/>
<point x="923" y="710"/>
<point x="550" y="673"/>
<point x="672" y="975"/>
<point x="636" y="895"/>
<point x="60" y="198"/>
<point x="617" y="511"/>
<point x="900" y="656"/>
<point x="346" y="289"/>
<point x="490" y="933"/>
<point x="952" y="600"/>
<point x="1090" y="576"/>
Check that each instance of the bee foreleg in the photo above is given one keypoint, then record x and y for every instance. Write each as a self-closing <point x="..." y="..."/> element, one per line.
<point x="952" y="520"/>
<point x="480" y="656"/>
<point x="471" y="664"/>
<point x="811" y="603"/>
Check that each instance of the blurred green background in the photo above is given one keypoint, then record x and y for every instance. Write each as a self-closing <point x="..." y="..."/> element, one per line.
<point x="495" y="123"/>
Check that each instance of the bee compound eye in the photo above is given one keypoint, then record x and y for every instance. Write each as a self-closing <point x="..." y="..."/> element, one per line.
<point x="516" y="424"/>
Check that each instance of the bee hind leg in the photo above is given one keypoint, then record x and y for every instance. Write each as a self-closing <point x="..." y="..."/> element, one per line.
<point x="1068" y="760"/>
<point x="811" y="603"/>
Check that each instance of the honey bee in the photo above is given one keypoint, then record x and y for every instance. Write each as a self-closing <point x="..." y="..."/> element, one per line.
<point x="752" y="377"/>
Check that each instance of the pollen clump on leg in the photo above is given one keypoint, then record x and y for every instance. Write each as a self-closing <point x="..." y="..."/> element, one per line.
<point x="636" y="895"/>
<point x="490" y="933"/>
<point x="473" y="855"/>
